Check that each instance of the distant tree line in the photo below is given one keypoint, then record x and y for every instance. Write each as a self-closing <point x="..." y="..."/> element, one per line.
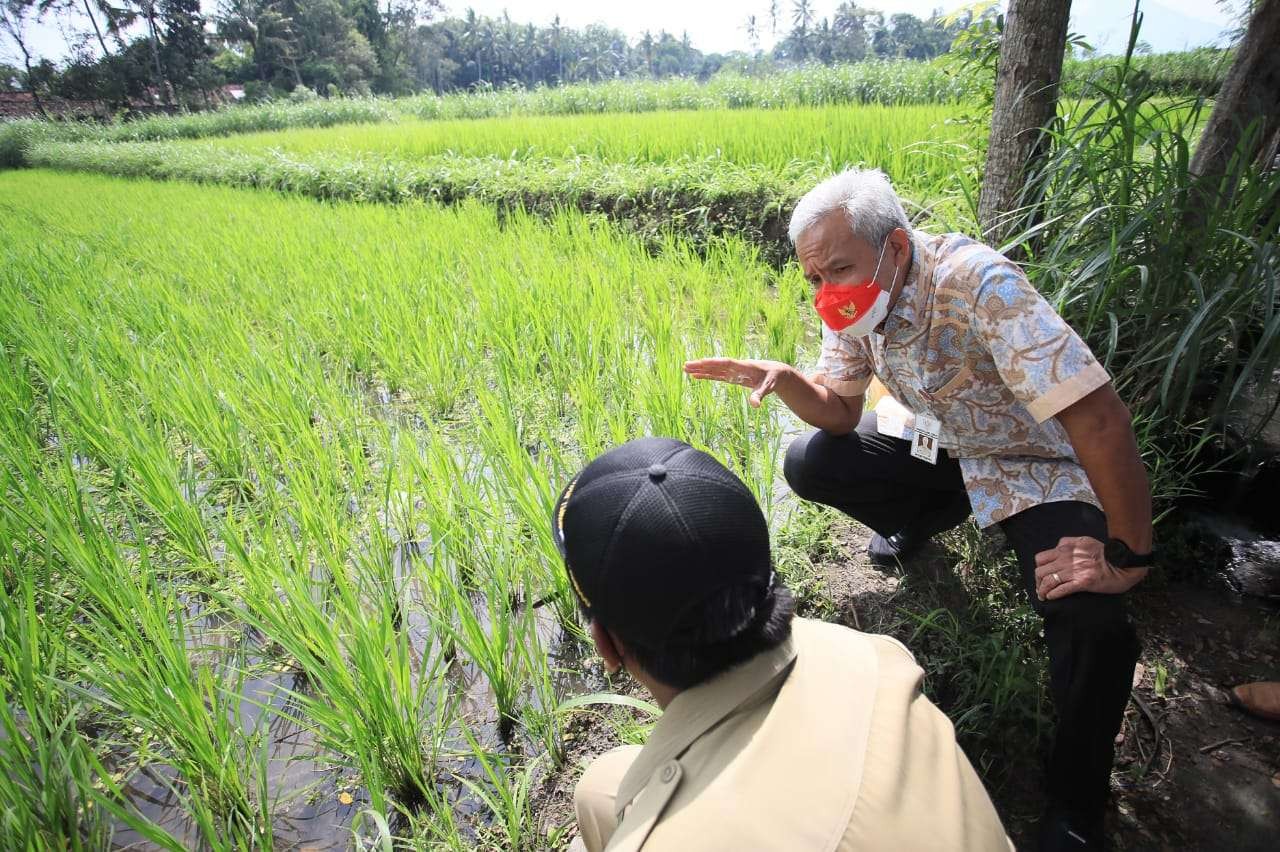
<point x="167" y="51"/>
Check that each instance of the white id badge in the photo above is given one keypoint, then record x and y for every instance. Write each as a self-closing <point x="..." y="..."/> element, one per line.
<point x="891" y="417"/>
<point x="925" y="444"/>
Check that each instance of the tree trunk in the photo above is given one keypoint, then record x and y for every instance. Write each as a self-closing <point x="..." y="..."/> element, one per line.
<point x="1026" y="101"/>
<point x="26" y="63"/>
<point x="96" y="30"/>
<point x="161" y="80"/>
<point x="31" y="87"/>
<point x="1247" y="109"/>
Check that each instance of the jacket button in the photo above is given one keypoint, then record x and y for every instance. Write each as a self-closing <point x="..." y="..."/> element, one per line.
<point x="668" y="772"/>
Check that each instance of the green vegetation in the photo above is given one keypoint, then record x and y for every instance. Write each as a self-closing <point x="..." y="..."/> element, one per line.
<point x="695" y="199"/>
<point x="887" y="83"/>
<point x="17" y="136"/>
<point x="271" y="464"/>
<point x="1189" y="72"/>
<point x="889" y="137"/>
<point x="212" y="449"/>
<point x="1179" y="297"/>
<point x="890" y="83"/>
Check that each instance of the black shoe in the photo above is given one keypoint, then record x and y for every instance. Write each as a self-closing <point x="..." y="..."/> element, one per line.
<point x="889" y="552"/>
<point x="948" y="512"/>
<point x="1062" y="830"/>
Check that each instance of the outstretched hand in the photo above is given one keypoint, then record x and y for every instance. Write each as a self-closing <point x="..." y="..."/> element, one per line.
<point x="761" y="376"/>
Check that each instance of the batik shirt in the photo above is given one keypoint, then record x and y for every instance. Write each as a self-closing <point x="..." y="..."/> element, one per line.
<point x="970" y="342"/>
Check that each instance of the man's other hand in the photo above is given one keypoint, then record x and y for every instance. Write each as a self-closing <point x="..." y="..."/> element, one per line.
<point x="1078" y="564"/>
<point x="761" y="376"/>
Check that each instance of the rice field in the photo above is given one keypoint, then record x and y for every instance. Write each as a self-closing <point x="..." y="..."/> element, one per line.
<point x="275" y="479"/>
<point x="914" y="143"/>
<point x="276" y="466"/>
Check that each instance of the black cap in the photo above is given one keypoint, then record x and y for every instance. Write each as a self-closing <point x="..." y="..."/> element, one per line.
<point x="654" y="527"/>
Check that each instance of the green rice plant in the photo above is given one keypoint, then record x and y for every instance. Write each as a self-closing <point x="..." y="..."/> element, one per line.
<point x="506" y="792"/>
<point x="486" y="627"/>
<point x="831" y="136"/>
<point x="374" y="701"/>
<point x="324" y="385"/>
<point x="133" y="651"/>
<point x="52" y="775"/>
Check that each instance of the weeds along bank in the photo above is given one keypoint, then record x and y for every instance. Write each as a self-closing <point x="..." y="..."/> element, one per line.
<point x="16" y="137"/>
<point x="693" y="199"/>
<point x="226" y="416"/>
<point x="889" y="83"/>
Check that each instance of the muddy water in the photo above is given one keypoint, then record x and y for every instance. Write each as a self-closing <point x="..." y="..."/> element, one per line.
<point x="308" y="790"/>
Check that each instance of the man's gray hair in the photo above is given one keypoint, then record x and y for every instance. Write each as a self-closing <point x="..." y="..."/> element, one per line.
<point x="869" y="203"/>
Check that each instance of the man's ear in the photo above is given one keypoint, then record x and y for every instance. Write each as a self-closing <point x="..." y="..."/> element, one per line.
<point x="606" y="648"/>
<point x="901" y="242"/>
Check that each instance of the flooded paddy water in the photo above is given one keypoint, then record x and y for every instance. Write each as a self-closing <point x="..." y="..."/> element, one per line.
<point x="316" y="802"/>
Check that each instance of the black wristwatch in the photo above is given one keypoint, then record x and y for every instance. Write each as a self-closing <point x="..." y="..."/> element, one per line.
<point x="1119" y="555"/>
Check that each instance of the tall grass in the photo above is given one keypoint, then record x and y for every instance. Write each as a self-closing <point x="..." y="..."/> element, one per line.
<point x="1179" y="295"/>
<point x="897" y="83"/>
<point x="1196" y="72"/>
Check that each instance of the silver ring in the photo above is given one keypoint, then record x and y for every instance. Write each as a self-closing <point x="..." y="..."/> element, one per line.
<point x="1056" y="578"/>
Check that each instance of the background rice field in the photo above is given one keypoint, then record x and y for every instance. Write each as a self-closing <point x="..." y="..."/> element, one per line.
<point x="894" y="138"/>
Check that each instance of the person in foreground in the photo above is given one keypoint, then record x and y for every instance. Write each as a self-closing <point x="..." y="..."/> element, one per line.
<point x="998" y="408"/>
<point x="778" y="733"/>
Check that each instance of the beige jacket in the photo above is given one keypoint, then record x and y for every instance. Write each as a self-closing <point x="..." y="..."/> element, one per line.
<point x="824" y="743"/>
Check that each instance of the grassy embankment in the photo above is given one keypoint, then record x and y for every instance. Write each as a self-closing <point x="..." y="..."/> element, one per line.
<point x="697" y="173"/>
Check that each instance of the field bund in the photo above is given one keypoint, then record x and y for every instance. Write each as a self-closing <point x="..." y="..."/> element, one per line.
<point x="700" y="175"/>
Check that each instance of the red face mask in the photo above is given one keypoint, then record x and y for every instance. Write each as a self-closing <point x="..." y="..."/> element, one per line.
<point x="843" y="305"/>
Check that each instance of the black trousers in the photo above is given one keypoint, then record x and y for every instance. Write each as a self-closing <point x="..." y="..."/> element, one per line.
<point x="1092" y="644"/>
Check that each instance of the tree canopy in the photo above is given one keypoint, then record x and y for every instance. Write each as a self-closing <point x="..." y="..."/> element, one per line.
<point x="168" y="51"/>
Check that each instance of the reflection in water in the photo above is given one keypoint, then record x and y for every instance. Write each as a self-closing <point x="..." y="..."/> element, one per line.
<point x="308" y="803"/>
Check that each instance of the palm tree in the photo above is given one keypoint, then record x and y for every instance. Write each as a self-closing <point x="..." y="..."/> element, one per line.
<point x="473" y="37"/>
<point x="801" y="22"/>
<point x="646" y="49"/>
<point x="557" y="33"/>
<point x="753" y="32"/>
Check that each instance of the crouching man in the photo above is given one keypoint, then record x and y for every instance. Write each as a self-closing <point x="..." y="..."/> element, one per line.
<point x="1001" y="411"/>
<point x="778" y="733"/>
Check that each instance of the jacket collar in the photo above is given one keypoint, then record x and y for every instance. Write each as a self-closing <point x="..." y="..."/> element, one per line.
<point x="697" y="710"/>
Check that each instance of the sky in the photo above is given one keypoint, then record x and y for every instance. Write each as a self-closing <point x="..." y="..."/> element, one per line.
<point x="720" y="25"/>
